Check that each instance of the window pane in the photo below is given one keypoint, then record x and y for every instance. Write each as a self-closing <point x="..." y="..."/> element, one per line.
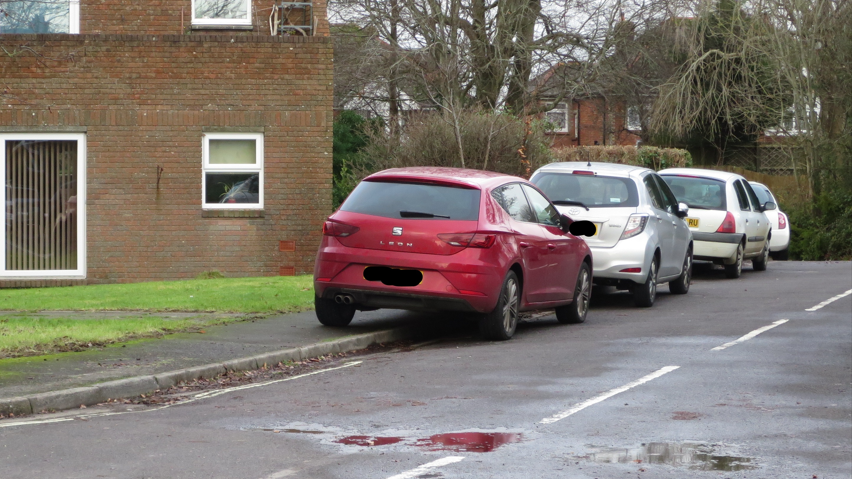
<point x="221" y="9"/>
<point x="544" y="211"/>
<point x="512" y="199"/>
<point x="41" y="205"/>
<point x="386" y="199"/>
<point x="701" y="193"/>
<point x="35" y="16"/>
<point x="240" y="152"/>
<point x="592" y="191"/>
<point x="232" y="188"/>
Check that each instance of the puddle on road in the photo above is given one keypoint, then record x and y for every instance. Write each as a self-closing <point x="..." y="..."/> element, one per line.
<point x="696" y="456"/>
<point x="454" y="441"/>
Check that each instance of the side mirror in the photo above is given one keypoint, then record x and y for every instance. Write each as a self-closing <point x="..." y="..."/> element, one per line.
<point x="682" y="210"/>
<point x="565" y="223"/>
<point x="769" y="205"/>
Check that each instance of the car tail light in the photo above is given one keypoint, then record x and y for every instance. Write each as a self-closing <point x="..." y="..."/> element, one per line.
<point x="728" y="224"/>
<point x="635" y="225"/>
<point x="631" y="270"/>
<point x="468" y="240"/>
<point x="333" y="228"/>
<point x="782" y="221"/>
<point x="583" y="172"/>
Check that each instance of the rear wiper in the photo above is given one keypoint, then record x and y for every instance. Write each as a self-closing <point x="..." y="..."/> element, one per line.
<point x="419" y="214"/>
<point x="569" y="202"/>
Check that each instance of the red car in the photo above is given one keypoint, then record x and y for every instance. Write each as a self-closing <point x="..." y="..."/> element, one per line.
<point x="449" y="239"/>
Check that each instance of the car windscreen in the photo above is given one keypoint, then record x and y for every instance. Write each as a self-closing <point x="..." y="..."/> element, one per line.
<point x="593" y="191"/>
<point x="762" y="193"/>
<point x="700" y="193"/>
<point x="413" y="201"/>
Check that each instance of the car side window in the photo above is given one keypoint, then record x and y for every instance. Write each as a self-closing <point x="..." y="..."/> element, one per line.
<point x="741" y="195"/>
<point x="755" y="203"/>
<point x="544" y="211"/>
<point x="668" y="196"/>
<point x="513" y="200"/>
<point x="654" y="193"/>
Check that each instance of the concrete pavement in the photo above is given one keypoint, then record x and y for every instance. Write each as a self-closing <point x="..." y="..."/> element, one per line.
<point x="69" y="380"/>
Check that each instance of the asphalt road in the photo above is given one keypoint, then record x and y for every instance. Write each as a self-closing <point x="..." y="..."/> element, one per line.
<point x="735" y="379"/>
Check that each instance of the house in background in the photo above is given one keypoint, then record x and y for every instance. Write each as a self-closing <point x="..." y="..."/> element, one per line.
<point x="155" y="140"/>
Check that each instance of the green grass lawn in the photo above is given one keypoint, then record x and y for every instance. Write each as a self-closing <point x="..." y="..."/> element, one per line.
<point x="30" y="336"/>
<point x="25" y="335"/>
<point x="240" y="295"/>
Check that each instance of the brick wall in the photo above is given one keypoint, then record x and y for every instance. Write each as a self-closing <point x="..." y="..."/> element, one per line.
<point x="601" y="123"/>
<point x="170" y="17"/>
<point x="144" y="102"/>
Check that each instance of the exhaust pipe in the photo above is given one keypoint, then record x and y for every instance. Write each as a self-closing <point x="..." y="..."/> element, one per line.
<point x="344" y="299"/>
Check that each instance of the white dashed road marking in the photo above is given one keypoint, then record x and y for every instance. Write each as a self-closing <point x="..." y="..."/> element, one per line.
<point x="425" y="467"/>
<point x="750" y="335"/>
<point x="829" y="301"/>
<point x="607" y="395"/>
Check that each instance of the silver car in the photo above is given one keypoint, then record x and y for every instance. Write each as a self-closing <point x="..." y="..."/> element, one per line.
<point x="640" y="239"/>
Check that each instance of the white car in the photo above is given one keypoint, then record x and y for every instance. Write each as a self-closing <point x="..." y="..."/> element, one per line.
<point x="640" y="238"/>
<point x="780" y="241"/>
<point x="726" y="217"/>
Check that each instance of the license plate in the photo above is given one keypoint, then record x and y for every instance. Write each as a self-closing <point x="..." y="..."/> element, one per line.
<point x="692" y="222"/>
<point x="393" y="276"/>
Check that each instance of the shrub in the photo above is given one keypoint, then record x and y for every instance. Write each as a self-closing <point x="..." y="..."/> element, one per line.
<point x="647" y="156"/>
<point x="822" y="229"/>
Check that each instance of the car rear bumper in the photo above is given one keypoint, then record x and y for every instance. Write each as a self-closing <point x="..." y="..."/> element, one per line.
<point x="780" y="240"/>
<point x="459" y="282"/>
<point x="634" y="252"/>
<point x="715" y="246"/>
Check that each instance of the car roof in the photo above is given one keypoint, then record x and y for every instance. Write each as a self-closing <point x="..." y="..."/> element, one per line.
<point x="713" y="174"/>
<point x="611" y="169"/>
<point x="452" y="176"/>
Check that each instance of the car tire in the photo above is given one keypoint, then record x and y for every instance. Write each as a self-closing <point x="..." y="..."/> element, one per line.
<point x="735" y="270"/>
<point x="501" y="322"/>
<point x="333" y="314"/>
<point x="759" y="263"/>
<point x="783" y="255"/>
<point x="575" y="312"/>
<point x="681" y="284"/>
<point x="645" y="293"/>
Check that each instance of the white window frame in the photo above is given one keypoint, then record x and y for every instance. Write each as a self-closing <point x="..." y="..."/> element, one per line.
<point x="207" y="167"/>
<point x="80" y="272"/>
<point x="563" y="107"/>
<point x="223" y="22"/>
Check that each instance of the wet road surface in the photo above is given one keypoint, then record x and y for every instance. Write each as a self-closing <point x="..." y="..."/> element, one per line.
<point x="735" y="379"/>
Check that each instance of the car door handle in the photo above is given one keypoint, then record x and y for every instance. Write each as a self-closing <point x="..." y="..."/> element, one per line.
<point x="551" y="246"/>
<point x="524" y="244"/>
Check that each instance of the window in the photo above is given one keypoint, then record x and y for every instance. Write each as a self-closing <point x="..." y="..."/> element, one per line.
<point x="558" y="118"/>
<point x="592" y="190"/>
<point x="214" y="13"/>
<point x="654" y="193"/>
<point x="40" y="16"/>
<point x="544" y="211"/>
<point x="44" y="234"/>
<point x="668" y="196"/>
<point x="512" y="199"/>
<point x="701" y="193"/>
<point x="632" y="119"/>
<point x="741" y="196"/>
<point x="233" y="171"/>
<point x="413" y="201"/>
<point x="755" y="203"/>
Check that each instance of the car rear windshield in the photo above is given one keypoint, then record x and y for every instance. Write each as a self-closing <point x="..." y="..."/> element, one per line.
<point x="762" y="193"/>
<point x="413" y="201"/>
<point x="592" y="190"/>
<point x="700" y="193"/>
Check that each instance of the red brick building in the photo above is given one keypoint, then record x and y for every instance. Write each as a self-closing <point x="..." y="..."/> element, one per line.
<point x="156" y="140"/>
<point x="593" y="121"/>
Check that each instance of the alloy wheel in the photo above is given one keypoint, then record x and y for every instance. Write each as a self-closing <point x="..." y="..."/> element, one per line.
<point x="510" y="305"/>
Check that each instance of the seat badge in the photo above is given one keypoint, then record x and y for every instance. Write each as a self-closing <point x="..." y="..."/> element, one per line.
<point x="397" y="230"/>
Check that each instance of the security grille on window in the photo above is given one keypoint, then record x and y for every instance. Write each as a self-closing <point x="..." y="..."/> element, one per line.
<point x="558" y="118"/>
<point x="40" y="16"/>
<point x="233" y="171"/>
<point x="220" y="12"/>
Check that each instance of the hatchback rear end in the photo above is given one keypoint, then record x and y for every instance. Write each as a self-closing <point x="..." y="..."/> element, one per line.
<point x="408" y="241"/>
